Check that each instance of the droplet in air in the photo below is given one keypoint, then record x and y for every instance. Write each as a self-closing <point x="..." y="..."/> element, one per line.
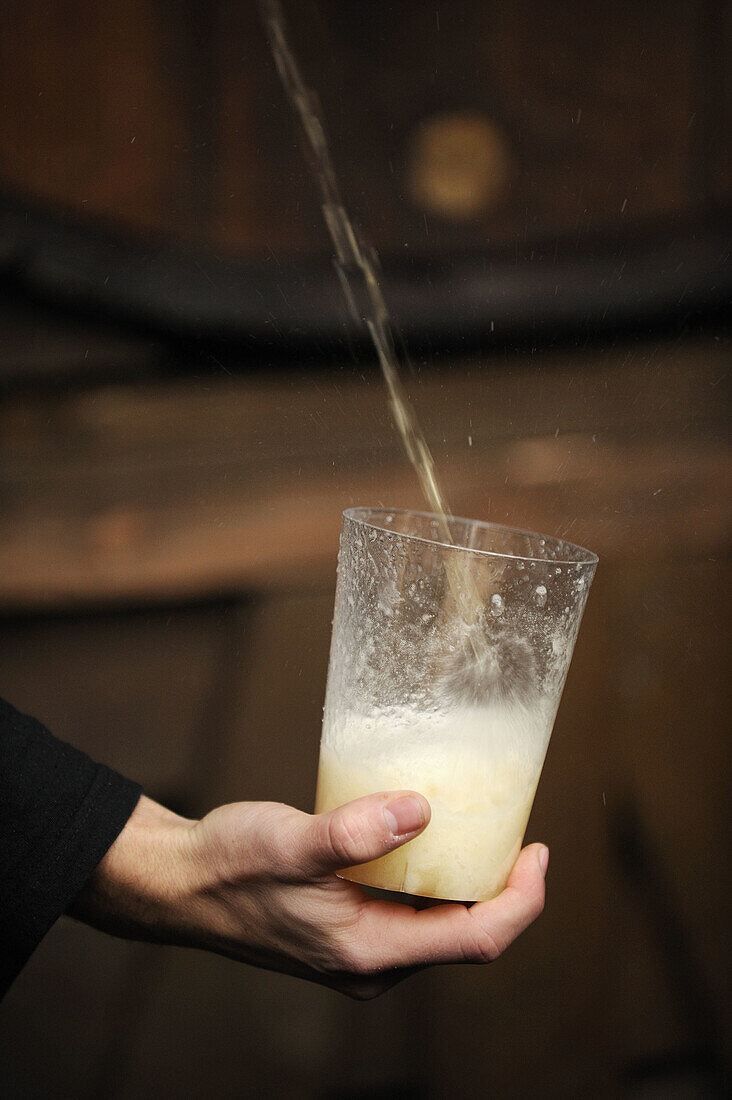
<point x="496" y="604"/>
<point x="541" y="595"/>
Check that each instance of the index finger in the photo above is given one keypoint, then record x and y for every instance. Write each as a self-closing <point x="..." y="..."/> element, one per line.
<point x="396" y="936"/>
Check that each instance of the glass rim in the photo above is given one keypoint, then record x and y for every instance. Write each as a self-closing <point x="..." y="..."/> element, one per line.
<point x="583" y="556"/>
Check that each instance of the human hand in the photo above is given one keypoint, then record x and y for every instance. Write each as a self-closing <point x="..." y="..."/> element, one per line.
<point x="256" y="881"/>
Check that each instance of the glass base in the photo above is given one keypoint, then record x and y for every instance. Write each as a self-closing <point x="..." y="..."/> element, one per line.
<point x="402" y="897"/>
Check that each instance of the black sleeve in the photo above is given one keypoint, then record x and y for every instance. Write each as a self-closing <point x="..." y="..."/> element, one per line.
<point x="59" y="813"/>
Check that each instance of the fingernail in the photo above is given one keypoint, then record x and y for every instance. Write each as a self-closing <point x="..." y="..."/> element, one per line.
<point x="543" y="859"/>
<point x="404" y="815"/>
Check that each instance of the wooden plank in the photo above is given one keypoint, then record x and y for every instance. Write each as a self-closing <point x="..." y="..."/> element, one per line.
<point x="135" y="492"/>
<point x="249" y="420"/>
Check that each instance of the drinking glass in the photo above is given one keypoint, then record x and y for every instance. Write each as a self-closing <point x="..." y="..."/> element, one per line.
<point x="447" y="664"/>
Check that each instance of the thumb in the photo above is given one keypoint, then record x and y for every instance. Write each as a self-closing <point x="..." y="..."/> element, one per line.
<point x="362" y="830"/>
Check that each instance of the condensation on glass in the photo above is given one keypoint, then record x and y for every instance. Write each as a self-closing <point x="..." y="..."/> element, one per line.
<point x="446" y="669"/>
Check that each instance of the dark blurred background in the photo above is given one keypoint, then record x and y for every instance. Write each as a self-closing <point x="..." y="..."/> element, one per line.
<point x="186" y="408"/>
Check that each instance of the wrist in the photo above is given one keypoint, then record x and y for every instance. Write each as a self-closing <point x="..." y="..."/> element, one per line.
<point x="142" y="887"/>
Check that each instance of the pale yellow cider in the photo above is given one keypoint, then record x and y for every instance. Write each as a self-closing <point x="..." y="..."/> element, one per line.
<point x="478" y="768"/>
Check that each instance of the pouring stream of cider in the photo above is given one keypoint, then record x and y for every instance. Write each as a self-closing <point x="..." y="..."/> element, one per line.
<point x="356" y="265"/>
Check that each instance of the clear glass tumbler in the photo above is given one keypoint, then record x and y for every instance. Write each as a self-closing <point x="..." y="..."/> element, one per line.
<point x="447" y="665"/>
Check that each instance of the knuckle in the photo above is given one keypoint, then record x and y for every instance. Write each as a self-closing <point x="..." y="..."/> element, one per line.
<point x="355" y="961"/>
<point x="263" y="823"/>
<point x="346" y="838"/>
<point x="485" y="947"/>
<point x="361" y="961"/>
